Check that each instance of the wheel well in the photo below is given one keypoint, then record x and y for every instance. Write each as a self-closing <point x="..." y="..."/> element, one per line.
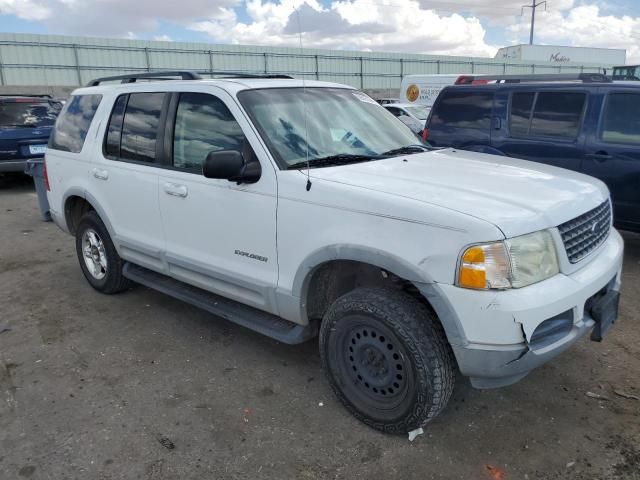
<point x="74" y="208"/>
<point x="335" y="278"/>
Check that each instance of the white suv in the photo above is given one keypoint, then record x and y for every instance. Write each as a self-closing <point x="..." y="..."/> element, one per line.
<point x="296" y="208"/>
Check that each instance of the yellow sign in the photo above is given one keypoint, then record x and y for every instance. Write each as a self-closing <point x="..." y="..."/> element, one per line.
<point x="413" y="91"/>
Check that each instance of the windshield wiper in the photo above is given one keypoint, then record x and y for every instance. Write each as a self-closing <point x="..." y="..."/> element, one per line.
<point x="339" y="159"/>
<point x="406" y="149"/>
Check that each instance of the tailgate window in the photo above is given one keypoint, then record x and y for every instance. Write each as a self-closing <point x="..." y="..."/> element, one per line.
<point x="27" y="114"/>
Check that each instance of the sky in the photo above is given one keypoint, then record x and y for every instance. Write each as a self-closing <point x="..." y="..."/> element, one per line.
<point x="447" y="27"/>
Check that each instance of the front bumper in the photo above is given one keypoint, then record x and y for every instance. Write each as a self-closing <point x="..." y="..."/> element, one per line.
<point x="501" y="339"/>
<point x="12" y="166"/>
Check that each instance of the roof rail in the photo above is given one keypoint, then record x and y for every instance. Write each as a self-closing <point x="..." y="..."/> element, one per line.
<point x="545" y="77"/>
<point x="29" y="95"/>
<point x="184" y="75"/>
<point x="133" y="77"/>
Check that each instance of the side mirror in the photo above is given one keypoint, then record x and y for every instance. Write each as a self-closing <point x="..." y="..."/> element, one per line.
<point x="230" y="165"/>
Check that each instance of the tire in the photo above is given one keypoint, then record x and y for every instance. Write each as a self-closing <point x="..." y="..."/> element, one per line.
<point x="99" y="260"/>
<point x="387" y="359"/>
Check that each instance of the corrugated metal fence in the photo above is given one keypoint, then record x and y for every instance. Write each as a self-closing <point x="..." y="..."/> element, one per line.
<point x="27" y="59"/>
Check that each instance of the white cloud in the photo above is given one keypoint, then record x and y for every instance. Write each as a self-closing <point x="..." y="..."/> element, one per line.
<point x="112" y="17"/>
<point x="586" y="26"/>
<point x="25" y="9"/>
<point x="398" y="26"/>
<point x="162" y="38"/>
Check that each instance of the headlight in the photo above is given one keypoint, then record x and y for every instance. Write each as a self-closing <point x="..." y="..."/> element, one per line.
<point x="514" y="263"/>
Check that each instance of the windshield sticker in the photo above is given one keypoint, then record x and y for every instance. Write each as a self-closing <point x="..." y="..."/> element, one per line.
<point x="363" y="97"/>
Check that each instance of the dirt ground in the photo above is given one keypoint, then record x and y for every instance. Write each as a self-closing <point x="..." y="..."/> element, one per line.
<point x="141" y="386"/>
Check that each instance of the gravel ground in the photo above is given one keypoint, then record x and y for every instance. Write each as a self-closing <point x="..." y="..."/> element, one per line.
<point x="141" y="386"/>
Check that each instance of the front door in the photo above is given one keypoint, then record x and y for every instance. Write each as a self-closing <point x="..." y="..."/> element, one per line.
<point x="219" y="235"/>
<point x="613" y="155"/>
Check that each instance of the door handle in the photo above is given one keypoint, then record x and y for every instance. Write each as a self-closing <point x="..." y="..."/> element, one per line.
<point x="600" y="156"/>
<point x="175" y="190"/>
<point x="100" y="174"/>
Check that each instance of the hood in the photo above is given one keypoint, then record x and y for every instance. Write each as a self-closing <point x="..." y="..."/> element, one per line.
<point x="517" y="196"/>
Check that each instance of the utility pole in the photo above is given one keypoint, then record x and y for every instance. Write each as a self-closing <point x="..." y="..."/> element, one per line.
<point x="533" y="7"/>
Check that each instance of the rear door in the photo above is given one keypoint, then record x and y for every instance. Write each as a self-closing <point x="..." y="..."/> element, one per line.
<point x="461" y="118"/>
<point x="124" y="178"/>
<point x="613" y="154"/>
<point x="544" y="126"/>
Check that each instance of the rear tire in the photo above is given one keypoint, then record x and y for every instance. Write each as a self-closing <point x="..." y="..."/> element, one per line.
<point x="99" y="259"/>
<point x="387" y="359"/>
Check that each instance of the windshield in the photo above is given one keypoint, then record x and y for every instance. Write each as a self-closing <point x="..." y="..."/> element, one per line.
<point x="421" y="113"/>
<point x="28" y="114"/>
<point x="326" y="122"/>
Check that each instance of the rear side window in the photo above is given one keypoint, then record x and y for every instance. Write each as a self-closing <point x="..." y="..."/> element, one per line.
<point x="621" y="122"/>
<point x="140" y="127"/>
<point x="463" y="109"/>
<point x="203" y="124"/>
<point x="557" y="114"/>
<point x="26" y="114"/>
<point x="73" y="123"/>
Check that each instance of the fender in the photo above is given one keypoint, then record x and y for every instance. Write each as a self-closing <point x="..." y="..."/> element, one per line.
<point x="79" y="192"/>
<point x="293" y="307"/>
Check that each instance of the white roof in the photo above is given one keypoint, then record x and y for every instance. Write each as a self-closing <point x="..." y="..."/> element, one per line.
<point x="231" y="85"/>
<point x="405" y="105"/>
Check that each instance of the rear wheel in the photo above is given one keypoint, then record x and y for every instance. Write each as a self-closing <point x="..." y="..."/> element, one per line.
<point x="99" y="260"/>
<point x="387" y="359"/>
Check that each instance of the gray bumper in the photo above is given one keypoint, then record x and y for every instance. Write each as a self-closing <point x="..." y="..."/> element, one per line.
<point x="11" y="166"/>
<point x="489" y="367"/>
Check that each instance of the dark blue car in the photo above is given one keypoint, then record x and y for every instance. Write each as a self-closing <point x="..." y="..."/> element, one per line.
<point x="589" y="124"/>
<point x="25" y="125"/>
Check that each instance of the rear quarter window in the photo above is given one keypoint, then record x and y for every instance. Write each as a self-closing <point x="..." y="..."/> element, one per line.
<point x="463" y="109"/>
<point x="73" y="123"/>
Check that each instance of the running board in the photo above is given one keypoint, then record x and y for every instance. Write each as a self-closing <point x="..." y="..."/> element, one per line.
<point x="249" y="317"/>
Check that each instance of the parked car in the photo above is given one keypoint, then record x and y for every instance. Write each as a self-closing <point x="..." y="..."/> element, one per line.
<point x="409" y="115"/>
<point x="25" y="125"/>
<point x="385" y="101"/>
<point x="301" y="208"/>
<point x="585" y="123"/>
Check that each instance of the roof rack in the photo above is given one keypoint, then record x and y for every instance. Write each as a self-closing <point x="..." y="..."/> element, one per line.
<point x="545" y="77"/>
<point x="183" y="75"/>
<point x="133" y="77"/>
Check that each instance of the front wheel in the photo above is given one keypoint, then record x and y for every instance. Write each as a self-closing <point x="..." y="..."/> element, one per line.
<point x="387" y="359"/>
<point x="99" y="260"/>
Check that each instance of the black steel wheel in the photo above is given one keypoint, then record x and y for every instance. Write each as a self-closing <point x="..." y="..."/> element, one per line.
<point x="386" y="358"/>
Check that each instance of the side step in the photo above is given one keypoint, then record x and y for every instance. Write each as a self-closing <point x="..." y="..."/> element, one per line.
<point x="249" y="317"/>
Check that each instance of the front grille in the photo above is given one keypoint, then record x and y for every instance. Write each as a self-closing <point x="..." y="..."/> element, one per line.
<point x="585" y="233"/>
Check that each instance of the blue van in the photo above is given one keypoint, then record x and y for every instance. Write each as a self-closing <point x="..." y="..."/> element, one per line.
<point x="25" y="125"/>
<point x="586" y="123"/>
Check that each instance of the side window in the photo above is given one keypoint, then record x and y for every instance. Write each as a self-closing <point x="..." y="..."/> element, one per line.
<point x="203" y="124"/>
<point x="395" y="111"/>
<point x="112" y="138"/>
<point x="464" y="109"/>
<point x="520" y="114"/>
<point x="558" y="114"/>
<point x="621" y="123"/>
<point x="140" y="127"/>
<point x="73" y="123"/>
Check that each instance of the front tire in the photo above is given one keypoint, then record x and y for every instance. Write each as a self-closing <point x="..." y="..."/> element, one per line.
<point x="99" y="259"/>
<point x="387" y="359"/>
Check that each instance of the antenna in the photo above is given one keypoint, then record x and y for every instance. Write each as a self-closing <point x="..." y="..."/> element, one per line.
<point x="304" y="94"/>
